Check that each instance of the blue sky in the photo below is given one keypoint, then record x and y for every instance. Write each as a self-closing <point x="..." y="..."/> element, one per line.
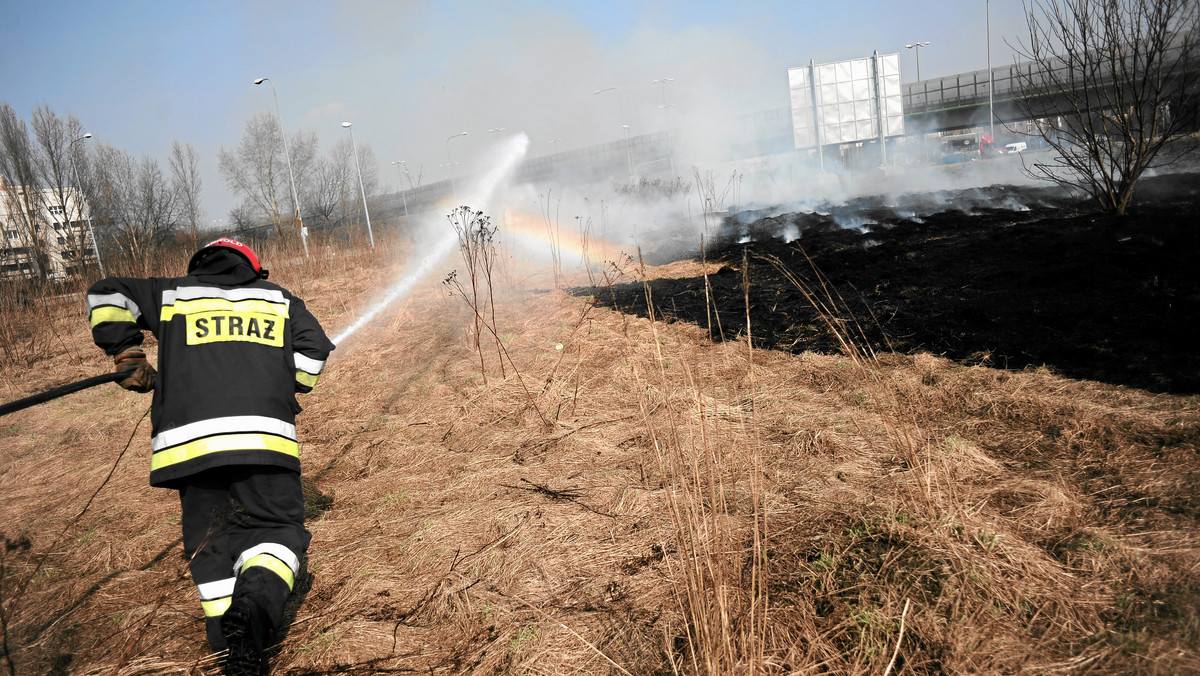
<point x="410" y="73"/>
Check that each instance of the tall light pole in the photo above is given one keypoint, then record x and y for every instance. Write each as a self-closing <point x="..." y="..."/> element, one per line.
<point x="628" y="157"/>
<point x="288" y="157"/>
<point x="79" y="187"/>
<point x="450" y="159"/>
<point x="621" y="112"/>
<point x="667" y="114"/>
<point x="917" y="46"/>
<point x="664" y="106"/>
<point x="400" y="169"/>
<point x="361" y="189"/>
<point x="991" y="78"/>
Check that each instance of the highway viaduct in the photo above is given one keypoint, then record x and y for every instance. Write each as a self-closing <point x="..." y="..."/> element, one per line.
<point x="943" y="104"/>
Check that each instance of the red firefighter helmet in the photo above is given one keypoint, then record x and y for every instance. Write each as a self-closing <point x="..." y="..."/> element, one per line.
<point x="228" y="243"/>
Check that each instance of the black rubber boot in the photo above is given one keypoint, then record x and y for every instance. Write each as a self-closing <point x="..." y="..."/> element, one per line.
<point x="245" y="629"/>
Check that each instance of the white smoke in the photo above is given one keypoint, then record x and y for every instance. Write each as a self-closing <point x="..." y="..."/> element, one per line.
<point x="442" y="240"/>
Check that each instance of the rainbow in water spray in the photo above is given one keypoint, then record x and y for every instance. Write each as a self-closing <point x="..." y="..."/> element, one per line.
<point x="536" y="234"/>
<point x="476" y="196"/>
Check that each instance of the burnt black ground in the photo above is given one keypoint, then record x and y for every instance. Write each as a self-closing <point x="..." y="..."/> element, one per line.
<point x="1017" y="277"/>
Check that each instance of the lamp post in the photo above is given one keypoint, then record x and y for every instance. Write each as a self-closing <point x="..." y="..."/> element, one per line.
<point x="917" y="46"/>
<point x="79" y="187"/>
<point x="401" y="169"/>
<point x="628" y="156"/>
<point x="664" y="106"/>
<point x="288" y="157"/>
<point x="991" y="78"/>
<point x="361" y="189"/>
<point x="450" y="159"/>
<point x="667" y="114"/>
<point x="621" y="112"/>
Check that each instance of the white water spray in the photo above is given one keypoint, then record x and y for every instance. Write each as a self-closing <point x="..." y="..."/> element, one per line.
<point x="476" y="195"/>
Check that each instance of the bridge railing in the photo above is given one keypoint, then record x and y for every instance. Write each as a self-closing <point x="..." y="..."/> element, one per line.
<point x="1023" y="79"/>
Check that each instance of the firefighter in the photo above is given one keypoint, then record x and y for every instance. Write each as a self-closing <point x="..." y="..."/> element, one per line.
<point x="233" y="351"/>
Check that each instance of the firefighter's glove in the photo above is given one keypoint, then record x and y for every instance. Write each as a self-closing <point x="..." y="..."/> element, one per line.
<point x="140" y="374"/>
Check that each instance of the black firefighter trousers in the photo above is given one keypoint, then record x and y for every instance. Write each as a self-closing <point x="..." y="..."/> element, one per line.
<point x="243" y="532"/>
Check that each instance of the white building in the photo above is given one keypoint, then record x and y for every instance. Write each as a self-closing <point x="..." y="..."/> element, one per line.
<point x="29" y="223"/>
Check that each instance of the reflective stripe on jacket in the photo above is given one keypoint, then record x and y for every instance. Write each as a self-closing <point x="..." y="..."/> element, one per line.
<point x="231" y="359"/>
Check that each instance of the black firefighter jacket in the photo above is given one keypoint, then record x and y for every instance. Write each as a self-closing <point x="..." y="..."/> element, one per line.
<point x="233" y="351"/>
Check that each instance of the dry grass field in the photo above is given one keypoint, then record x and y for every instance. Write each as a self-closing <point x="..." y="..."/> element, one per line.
<point x="615" y="494"/>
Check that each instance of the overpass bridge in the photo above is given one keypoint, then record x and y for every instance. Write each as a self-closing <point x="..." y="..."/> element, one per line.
<point x="937" y="104"/>
<point x="962" y="100"/>
<point x="949" y="103"/>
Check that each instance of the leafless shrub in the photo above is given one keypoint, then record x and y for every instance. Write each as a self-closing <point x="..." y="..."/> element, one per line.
<point x="713" y="197"/>
<point x="1123" y="78"/>
<point x="476" y="245"/>
<point x="647" y="189"/>
<point x="553" y="234"/>
<point x="25" y="315"/>
<point x="584" y="225"/>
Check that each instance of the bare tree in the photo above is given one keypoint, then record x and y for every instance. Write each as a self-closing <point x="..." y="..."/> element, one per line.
<point x="57" y="157"/>
<point x="19" y="189"/>
<point x="185" y="179"/>
<point x="254" y="169"/>
<point x="1121" y="76"/>
<point x="241" y="217"/>
<point x="305" y="149"/>
<point x="325" y="193"/>
<point x="331" y="191"/>
<point x="53" y="136"/>
<point x="136" y="206"/>
<point x="257" y="169"/>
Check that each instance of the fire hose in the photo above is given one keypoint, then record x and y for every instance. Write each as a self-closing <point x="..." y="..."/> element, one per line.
<point x="60" y="391"/>
<point x="312" y="494"/>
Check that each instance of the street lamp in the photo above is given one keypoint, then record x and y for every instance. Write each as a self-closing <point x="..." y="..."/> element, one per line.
<point x="664" y="106"/>
<point x="453" y="189"/>
<point x="667" y="113"/>
<point x="991" y="78"/>
<point x="917" y="46"/>
<point x="288" y="157"/>
<point x="402" y="170"/>
<point x="79" y="186"/>
<point x="628" y="157"/>
<point x="621" y="112"/>
<point x="370" y="235"/>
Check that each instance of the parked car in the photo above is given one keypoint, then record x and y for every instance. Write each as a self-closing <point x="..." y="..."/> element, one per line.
<point x="1018" y="147"/>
